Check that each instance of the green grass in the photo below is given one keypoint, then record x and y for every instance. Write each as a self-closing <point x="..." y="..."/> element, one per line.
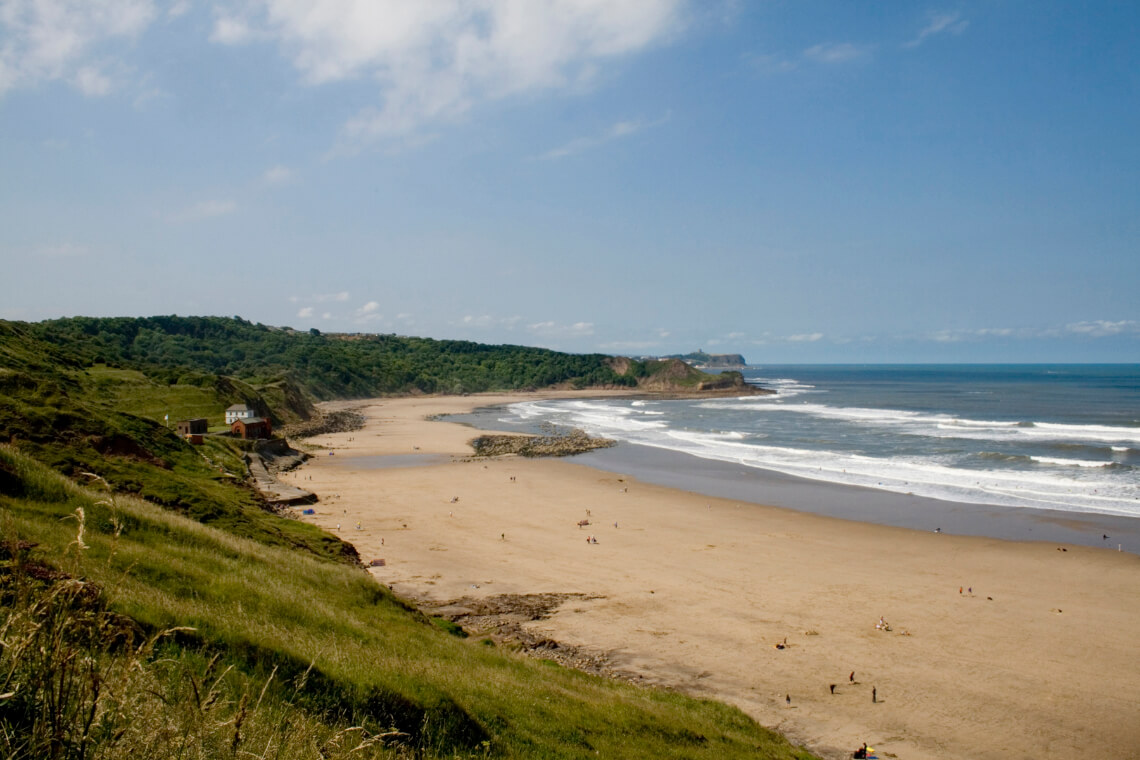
<point x="191" y="622"/>
<point x="366" y="658"/>
<point x="133" y="392"/>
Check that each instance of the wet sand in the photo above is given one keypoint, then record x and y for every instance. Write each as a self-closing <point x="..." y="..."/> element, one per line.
<point x="693" y="592"/>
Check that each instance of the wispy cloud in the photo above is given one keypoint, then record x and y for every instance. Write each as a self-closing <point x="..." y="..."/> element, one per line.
<point x="617" y="131"/>
<point x="835" y="52"/>
<point x="208" y="209"/>
<point x="768" y="62"/>
<point x="1101" y="328"/>
<point x="555" y="329"/>
<point x="277" y="175"/>
<point x="66" y="40"/>
<point x="306" y="312"/>
<point x="91" y="81"/>
<point x="805" y="338"/>
<point x="979" y="333"/>
<point x="487" y="321"/>
<point x="232" y="30"/>
<point x="1098" y="328"/>
<point x="435" y="61"/>
<point x="823" y="53"/>
<point x="940" y="23"/>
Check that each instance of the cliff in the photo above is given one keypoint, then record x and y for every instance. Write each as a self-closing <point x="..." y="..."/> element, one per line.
<point x="676" y="377"/>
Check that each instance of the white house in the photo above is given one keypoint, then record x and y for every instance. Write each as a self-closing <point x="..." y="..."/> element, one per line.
<point x="238" y="412"/>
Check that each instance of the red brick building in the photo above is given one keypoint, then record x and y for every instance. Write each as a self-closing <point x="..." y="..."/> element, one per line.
<point x="252" y="427"/>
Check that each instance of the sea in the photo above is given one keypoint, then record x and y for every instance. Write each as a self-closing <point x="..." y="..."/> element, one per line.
<point x="1062" y="438"/>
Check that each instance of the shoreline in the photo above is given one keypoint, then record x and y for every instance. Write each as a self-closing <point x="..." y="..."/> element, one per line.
<point x="693" y="592"/>
<point x="756" y="485"/>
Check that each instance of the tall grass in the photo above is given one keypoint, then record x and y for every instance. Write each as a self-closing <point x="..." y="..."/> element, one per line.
<point x="176" y="639"/>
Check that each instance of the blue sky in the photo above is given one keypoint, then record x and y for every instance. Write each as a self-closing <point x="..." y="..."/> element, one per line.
<point x="794" y="181"/>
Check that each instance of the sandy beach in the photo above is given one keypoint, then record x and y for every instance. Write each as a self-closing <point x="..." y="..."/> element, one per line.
<point x="991" y="649"/>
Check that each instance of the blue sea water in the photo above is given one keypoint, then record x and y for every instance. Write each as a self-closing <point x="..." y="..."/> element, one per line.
<point x="1056" y="437"/>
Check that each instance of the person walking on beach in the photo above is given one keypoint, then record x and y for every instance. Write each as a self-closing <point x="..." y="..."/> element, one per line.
<point x="851" y="677"/>
<point x="874" y="694"/>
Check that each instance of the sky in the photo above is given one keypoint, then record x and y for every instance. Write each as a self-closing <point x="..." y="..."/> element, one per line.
<point x="793" y="181"/>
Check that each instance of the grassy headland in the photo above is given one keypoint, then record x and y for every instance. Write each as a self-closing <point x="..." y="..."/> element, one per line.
<point x="152" y="606"/>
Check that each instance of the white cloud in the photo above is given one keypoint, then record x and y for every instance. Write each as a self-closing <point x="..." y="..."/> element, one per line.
<point x="481" y="321"/>
<point x="92" y="82"/>
<point x="204" y="210"/>
<point x="369" y="312"/>
<point x="433" y="61"/>
<point x="484" y="320"/>
<point x="49" y="40"/>
<point x="277" y="175"/>
<point x="178" y="8"/>
<point x="768" y="62"/>
<point x="1101" y="328"/>
<point x="617" y="131"/>
<point x="231" y="30"/>
<point x="578" y="329"/>
<point x="805" y="338"/>
<point x="834" y="52"/>
<point x="1098" y="328"/>
<point x="941" y="23"/>
<point x="306" y="312"/>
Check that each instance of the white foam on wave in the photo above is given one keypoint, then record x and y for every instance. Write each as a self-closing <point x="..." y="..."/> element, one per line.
<point x="1078" y="490"/>
<point x="1071" y="462"/>
<point x="785" y="387"/>
<point x="941" y="425"/>
<point x="1121" y="448"/>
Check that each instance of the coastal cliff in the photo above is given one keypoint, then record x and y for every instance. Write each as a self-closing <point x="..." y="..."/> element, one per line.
<point x="676" y="377"/>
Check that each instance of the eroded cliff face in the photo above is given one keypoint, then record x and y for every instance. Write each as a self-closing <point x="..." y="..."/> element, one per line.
<point x="675" y="377"/>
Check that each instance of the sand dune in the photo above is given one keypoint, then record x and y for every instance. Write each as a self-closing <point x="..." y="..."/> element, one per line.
<point x="1041" y="658"/>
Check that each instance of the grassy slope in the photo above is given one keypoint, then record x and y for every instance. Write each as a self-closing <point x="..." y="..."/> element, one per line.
<point x="65" y="417"/>
<point x="198" y="550"/>
<point x="373" y="661"/>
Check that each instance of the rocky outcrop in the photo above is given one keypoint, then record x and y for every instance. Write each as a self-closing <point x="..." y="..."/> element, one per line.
<point x="556" y="444"/>
<point x="341" y="421"/>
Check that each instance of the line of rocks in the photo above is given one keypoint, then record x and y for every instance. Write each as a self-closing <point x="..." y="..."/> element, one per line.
<point x="341" y="421"/>
<point x="557" y="444"/>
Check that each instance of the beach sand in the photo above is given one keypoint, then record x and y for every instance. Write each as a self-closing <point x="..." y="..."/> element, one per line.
<point x="1041" y="658"/>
